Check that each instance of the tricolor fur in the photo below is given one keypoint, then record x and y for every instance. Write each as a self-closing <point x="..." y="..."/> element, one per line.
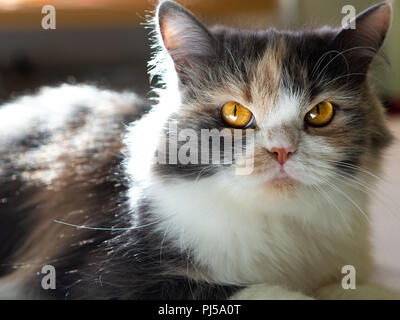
<point x="199" y="230"/>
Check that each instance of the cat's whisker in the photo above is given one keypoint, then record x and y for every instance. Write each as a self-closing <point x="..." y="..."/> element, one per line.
<point x="383" y="199"/>
<point x="343" y="76"/>
<point x="196" y="269"/>
<point x="337" y="189"/>
<point x="360" y="186"/>
<point x="358" y="168"/>
<point x="201" y="172"/>
<point x="338" y="54"/>
<point x="107" y="228"/>
<point x="348" y="178"/>
<point x="320" y="61"/>
<point x="369" y="75"/>
<point x="326" y="196"/>
<point x="163" y="239"/>
<point x="342" y="54"/>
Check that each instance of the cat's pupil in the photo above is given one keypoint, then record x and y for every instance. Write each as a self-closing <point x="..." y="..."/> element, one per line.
<point x="235" y="110"/>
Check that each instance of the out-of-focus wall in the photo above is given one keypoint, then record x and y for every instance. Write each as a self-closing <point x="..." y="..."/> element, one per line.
<point x="98" y="40"/>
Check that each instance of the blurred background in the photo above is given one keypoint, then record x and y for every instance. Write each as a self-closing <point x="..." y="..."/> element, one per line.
<point x="105" y="42"/>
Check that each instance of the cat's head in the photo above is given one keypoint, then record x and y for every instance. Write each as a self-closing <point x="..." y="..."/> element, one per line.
<point x="301" y="98"/>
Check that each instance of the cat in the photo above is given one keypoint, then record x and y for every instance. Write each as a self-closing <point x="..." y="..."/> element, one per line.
<point x="89" y="181"/>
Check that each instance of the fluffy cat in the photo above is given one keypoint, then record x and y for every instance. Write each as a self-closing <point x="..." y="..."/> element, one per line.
<point x="82" y="187"/>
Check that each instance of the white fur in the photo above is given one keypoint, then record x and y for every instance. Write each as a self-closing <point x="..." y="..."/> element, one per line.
<point x="244" y="238"/>
<point x="267" y="292"/>
<point x="48" y="113"/>
<point x="362" y="292"/>
<point x="286" y="111"/>
<point x="52" y="108"/>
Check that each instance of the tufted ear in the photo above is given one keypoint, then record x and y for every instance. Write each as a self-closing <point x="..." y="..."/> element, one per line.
<point x="361" y="44"/>
<point x="186" y="39"/>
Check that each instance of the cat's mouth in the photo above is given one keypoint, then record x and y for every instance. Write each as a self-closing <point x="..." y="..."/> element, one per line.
<point x="279" y="180"/>
<point x="281" y="185"/>
<point x="282" y="178"/>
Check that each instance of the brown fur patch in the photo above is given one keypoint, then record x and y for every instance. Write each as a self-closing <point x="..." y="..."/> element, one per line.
<point x="266" y="76"/>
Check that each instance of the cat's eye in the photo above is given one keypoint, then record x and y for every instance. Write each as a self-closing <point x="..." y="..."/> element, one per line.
<point x="321" y="115"/>
<point x="236" y="115"/>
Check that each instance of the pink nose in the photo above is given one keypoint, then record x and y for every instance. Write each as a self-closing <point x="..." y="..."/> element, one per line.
<point x="282" y="154"/>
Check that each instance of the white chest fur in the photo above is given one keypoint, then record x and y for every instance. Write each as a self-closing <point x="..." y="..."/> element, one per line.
<point x="242" y="239"/>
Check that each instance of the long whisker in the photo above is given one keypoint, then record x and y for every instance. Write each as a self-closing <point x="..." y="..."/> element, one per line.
<point x="336" y="189"/>
<point x="351" y="180"/>
<point x="343" y="76"/>
<point x="338" y="53"/>
<point x="320" y="61"/>
<point x="163" y="240"/>
<point x="358" y="168"/>
<point x="107" y="228"/>
<point x="326" y="196"/>
<point x="342" y="54"/>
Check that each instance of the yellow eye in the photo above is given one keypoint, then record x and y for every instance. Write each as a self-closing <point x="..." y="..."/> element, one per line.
<point x="236" y="115"/>
<point x="321" y="115"/>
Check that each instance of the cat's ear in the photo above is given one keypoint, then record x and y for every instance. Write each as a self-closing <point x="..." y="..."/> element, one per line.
<point x="186" y="39"/>
<point x="362" y="38"/>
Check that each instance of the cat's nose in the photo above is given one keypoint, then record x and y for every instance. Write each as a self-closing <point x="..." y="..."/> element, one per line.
<point x="282" y="154"/>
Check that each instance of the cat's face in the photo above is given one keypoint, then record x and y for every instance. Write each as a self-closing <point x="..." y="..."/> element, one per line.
<point x="301" y="99"/>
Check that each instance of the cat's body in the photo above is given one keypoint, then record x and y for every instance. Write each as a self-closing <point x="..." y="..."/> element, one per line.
<point x="195" y="231"/>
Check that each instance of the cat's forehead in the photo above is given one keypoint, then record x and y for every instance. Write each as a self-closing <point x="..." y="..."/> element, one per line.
<point x="269" y="68"/>
<point x="258" y="65"/>
<point x="249" y="45"/>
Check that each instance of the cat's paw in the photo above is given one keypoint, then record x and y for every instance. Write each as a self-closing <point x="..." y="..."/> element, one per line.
<point x="361" y="292"/>
<point x="268" y="292"/>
